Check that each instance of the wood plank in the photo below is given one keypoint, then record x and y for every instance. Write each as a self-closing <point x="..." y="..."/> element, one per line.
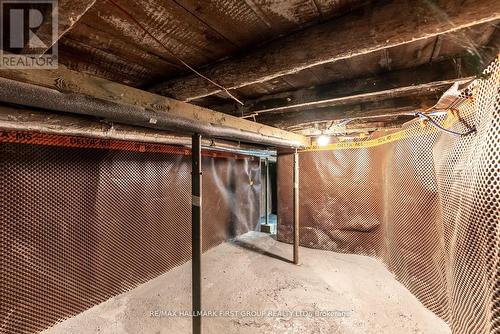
<point x="179" y="31"/>
<point x="105" y="23"/>
<point x="419" y="80"/>
<point x="286" y="16"/>
<point x="334" y="71"/>
<point x="114" y="28"/>
<point x="65" y="80"/>
<point x="176" y="28"/>
<point x="304" y="78"/>
<point x="387" y="24"/>
<point x="389" y="107"/>
<point x="236" y="21"/>
<point x="329" y="8"/>
<point x="69" y="12"/>
<point x="413" y="54"/>
<point x="329" y="128"/>
<point x="98" y="46"/>
<point x="400" y="57"/>
<point x="117" y="45"/>
<point x="83" y="58"/>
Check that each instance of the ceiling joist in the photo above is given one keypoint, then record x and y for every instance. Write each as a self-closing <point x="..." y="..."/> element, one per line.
<point x="425" y="79"/>
<point x="379" y="26"/>
<point x="382" y="108"/>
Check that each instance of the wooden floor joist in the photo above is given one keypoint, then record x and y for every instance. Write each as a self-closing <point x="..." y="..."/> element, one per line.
<point x="69" y="81"/>
<point x="354" y="127"/>
<point x="381" y="26"/>
<point x="421" y="80"/>
<point x="385" y="108"/>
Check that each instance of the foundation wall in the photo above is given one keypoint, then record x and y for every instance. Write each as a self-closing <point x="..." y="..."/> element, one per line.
<point x="82" y="223"/>
<point x="424" y="202"/>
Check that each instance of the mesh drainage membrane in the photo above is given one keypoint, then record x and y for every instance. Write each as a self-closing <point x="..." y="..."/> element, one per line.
<point x="424" y="202"/>
<point x="82" y="220"/>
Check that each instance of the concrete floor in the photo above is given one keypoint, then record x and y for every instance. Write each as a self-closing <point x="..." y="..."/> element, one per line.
<point x="249" y="274"/>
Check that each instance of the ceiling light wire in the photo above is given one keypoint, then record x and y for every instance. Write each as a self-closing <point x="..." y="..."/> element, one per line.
<point x="173" y="55"/>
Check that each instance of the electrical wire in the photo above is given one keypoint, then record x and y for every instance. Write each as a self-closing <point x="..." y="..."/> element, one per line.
<point x="173" y="55"/>
<point x="436" y="125"/>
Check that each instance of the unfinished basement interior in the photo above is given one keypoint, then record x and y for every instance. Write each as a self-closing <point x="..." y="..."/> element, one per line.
<point x="249" y="166"/>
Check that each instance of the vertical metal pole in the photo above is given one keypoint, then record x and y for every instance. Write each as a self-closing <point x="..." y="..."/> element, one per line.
<point x="267" y="191"/>
<point x="196" y="232"/>
<point x="296" y="228"/>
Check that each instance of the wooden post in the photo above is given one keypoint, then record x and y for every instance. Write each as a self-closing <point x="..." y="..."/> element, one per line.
<point x="196" y="236"/>
<point x="296" y="228"/>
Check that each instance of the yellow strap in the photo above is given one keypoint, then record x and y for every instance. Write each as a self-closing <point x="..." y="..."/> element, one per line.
<point x="448" y="122"/>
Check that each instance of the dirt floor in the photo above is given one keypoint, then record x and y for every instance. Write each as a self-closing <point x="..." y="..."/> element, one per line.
<point x="251" y="274"/>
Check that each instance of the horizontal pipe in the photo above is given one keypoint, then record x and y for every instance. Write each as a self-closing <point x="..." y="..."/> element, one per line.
<point x="14" y="119"/>
<point x="24" y="94"/>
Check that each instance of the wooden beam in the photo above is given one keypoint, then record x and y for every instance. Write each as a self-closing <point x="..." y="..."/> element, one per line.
<point x="421" y="80"/>
<point x="389" y="107"/>
<point x="386" y="122"/>
<point x="15" y="118"/>
<point x="69" y="81"/>
<point x="360" y="126"/>
<point x="380" y="26"/>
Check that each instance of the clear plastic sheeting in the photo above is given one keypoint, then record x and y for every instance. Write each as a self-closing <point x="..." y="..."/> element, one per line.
<point x="425" y="202"/>
<point x="82" y="224"/>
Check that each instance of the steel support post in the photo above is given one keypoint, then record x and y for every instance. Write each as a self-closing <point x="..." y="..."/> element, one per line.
<point x="296" y="228"/>
<point x="196" y="236"/>
<point x="267" y="191"/>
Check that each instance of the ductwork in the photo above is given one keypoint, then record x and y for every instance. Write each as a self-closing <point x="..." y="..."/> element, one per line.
<point x="13" y="119"/>
<point x="40" y="97"/>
